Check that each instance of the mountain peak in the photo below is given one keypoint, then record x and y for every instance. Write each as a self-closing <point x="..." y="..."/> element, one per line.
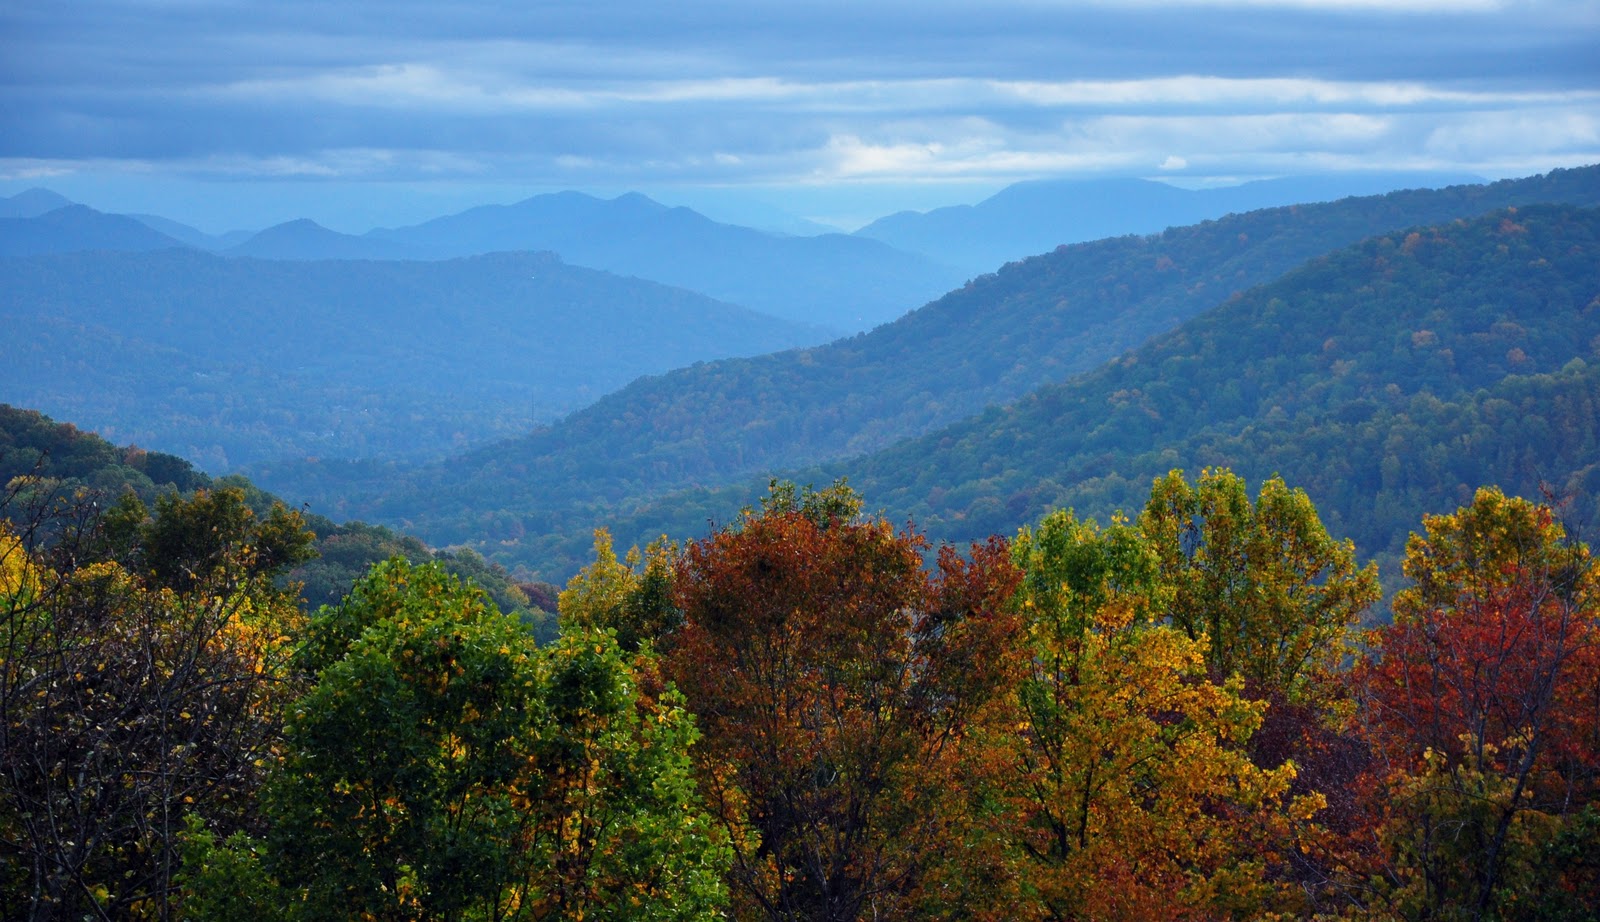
<point x="31" y="203"/>
<point x="304" y="238"/>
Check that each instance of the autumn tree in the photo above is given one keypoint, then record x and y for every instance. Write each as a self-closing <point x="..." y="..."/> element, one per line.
<point x="1137" y="795"/>
<point x="1482" y="703"/>
<point x="847" y="698"/>
<point x="631" y="597"/>
<point x="135" y="690"/>
<point x="1277" y="600"/>
<point x="1263" y="582"/>
<point x="443" y="766"/>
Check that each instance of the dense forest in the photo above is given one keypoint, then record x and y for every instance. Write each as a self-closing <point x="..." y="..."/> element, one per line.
<point x="1169" y="717"/>
<point x="1378" y="375"/>
<point x="1414" y="365"/>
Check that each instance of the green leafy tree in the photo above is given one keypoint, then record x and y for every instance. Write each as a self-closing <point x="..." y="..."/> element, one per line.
<point x="1273" y="594"/>
<point x="632" y="598"/>
<point x="444" y="766"/>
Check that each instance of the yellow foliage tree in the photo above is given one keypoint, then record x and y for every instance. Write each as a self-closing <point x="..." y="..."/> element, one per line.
<point x="1138" y="797"/>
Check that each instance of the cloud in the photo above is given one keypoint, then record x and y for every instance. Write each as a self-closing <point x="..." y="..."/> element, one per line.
<point x="33" y="171"/>
<point x="1485" y="134"/>
<point x="730" y="92"/>
<point x="1219" y="92"/>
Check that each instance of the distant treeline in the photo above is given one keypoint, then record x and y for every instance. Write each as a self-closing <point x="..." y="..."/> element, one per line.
<point x="45" y="464"/>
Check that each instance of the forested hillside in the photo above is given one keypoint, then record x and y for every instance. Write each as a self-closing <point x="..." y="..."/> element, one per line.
<point x="230" y="361"/>
<point x="48" y="468"/>
<point x="1385" y="379"/>
<point x="992" y="341"/>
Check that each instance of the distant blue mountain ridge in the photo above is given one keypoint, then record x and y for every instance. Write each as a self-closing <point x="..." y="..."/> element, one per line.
<point x="1034" y="217"/>
<point x="843" y="283"/>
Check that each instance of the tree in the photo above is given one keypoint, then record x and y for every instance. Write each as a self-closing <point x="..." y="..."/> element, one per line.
<point x="847" y="698"/>
<point x="632" y="601"/>
<point x="443" y="766"/>
<point x="1138" y="798"/>
<point x="1482" y="703"/>
<point x="1274" y="595"/>
<point x="130" y="698"/>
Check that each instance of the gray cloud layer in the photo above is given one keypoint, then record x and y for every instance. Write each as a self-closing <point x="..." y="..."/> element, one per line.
<point x="647" y="93"/>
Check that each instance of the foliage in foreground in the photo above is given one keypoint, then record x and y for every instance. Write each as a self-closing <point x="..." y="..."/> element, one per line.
<point x="795" y="718"/>
<point x="444" y="766"/>
<point x="143" y="679"/>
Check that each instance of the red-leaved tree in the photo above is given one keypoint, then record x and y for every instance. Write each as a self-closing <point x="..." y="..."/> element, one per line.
<point x="846" y="699"/>
<point x="1480" y="703"/>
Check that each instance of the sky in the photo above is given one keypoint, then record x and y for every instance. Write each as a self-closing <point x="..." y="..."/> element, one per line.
<point x="386" y="112"/>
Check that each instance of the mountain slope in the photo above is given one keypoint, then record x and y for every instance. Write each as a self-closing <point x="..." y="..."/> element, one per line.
<point x="306" y="239"/>
<point x="74" y="228"/>
<point x="32" y="203"/>
<point x="48" y="465"/>
<point x="193" y="236"/>
<point x="993" y="341"/>
<point x="230" y="361"/>
<point x="1388" y="378"/>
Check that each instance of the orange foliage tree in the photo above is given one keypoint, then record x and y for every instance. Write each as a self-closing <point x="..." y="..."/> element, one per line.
<point x="849" y="703"/>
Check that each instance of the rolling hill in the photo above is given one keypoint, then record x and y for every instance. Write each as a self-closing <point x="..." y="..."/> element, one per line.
<point x="49" y="469"/>
<point x="993" y="341"/>
<point x="229" y="361"/>
<point x="30" y="203"/>
<point x="306" y="239"/>
<point x="1388" y="380"/>
<point x="73" y="228"/>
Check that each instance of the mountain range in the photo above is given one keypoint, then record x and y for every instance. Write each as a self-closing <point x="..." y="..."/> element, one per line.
<point x="844" y="283"/>
<point x="245" y="347"/>
<point x="835" y="283"/>
<point x="993" y="341"/>
<point x="1039" y="215"/>
<point x="229" y="361"/>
